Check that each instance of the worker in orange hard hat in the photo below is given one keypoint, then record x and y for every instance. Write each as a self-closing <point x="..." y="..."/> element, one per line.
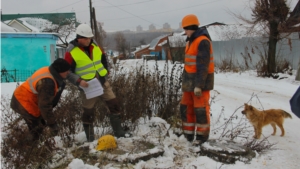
<point x="197" y="81"/>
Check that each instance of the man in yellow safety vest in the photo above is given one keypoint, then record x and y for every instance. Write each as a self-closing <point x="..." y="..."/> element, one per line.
<point x="88" y="61"/>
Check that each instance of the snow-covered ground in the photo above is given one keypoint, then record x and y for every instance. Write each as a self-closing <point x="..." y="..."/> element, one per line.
<point x="230" y="93"/>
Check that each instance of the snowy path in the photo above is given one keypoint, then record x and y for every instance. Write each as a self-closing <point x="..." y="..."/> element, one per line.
<point x="234" y="88"/>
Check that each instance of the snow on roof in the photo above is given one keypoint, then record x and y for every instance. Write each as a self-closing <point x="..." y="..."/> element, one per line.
<point x="6" y="28"/>
<point x="140" y="48"/>
<point x="155" y="41"/>
<point x="226" y="32"/>
<point x="33" y="28"/>
<point x="38" y="23"/>
<point x="222" y="33"/>
<point x="162" y="43"/>
<point x="23" y="21"/>
<point x="232" y="31"/>
<point x="177" y="40"/>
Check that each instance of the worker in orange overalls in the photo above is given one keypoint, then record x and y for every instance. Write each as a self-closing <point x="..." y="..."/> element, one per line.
<point x="197" y="81"/>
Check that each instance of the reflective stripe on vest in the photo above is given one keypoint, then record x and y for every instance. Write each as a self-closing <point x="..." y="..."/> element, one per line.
<point x="191" y="51"/>
<point x="27" y="94"/>
<point x="85" y="67"/>
<point x="37" y="76"/>
<point x="31" y="80"/>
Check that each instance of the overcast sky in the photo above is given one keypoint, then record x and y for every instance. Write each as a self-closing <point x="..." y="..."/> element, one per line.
<point x="128" y="14"/>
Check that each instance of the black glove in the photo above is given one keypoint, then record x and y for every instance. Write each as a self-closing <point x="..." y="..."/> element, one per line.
<point x="54" y="129"/>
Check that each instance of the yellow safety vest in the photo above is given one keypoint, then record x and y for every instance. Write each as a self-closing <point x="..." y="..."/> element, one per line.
<point x="85" y="67"/>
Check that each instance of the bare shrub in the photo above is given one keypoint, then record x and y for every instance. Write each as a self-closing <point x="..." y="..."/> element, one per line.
<point x="17" y="149"/>
<point x="227" y="65"/>
<point x="260" y="146"/>
<point x="237" y="126"/>
<point x="283" y="66"/>
<point x="143" y="92"/>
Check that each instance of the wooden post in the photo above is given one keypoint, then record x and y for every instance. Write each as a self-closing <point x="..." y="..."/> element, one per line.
<point x="298" y="72"/>
<point x="91" y="15"/>
<point x="97" y="38"/>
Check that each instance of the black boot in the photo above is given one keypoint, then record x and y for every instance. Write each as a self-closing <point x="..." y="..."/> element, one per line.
<point x="89" y="132"/>
<point x="201" y="139"/>
<point x="115" y="122"/>
<point x="189" y="137"/>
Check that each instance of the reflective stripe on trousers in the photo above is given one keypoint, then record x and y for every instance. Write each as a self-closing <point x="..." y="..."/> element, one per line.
<point x="195" y="113"/>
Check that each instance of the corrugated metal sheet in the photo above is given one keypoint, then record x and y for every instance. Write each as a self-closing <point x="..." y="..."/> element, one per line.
<point x="236" y="48"/>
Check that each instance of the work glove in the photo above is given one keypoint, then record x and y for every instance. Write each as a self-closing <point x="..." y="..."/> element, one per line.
<point x="53" y="129"/>
<point x="197" y="91"/>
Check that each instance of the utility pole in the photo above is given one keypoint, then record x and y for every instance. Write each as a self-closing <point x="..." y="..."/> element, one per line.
<point x="96" y="32"/>
<point x="91" y="15"/>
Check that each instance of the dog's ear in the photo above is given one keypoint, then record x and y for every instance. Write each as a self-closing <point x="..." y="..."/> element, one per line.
<point x="250" y="107"/>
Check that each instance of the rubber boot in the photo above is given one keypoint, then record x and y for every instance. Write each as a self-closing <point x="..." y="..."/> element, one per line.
<point x="189" y="137"/>
<point x="89" y="132"/>
<point x="201" y="139"/>
<point x="115" y="122"/>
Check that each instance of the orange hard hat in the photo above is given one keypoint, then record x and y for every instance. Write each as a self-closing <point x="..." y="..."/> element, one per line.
<point x="189" y="20"/>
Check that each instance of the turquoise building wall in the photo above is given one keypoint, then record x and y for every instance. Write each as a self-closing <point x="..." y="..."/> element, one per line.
<point x="27" y="51"/>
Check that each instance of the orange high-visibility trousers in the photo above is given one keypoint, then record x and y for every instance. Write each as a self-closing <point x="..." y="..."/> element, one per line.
<point x="195" y="113"/>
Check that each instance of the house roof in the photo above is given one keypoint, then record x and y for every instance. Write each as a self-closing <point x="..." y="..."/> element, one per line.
<point x="141" y="48"/>
<point x="217" y="31"/>
<point x="6" y="28"/>
<point x="177" y="40"/>
<point x="55" y="18"/>
<point x="294" y="19"/>
<point x="19" y="22"/>
<point x="23" y="23"/>
<point x="162" y="43"/>
<point x="227" y="32"/>
<point x="155" y="41"/>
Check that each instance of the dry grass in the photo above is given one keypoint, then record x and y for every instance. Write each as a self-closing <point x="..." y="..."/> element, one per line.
<point x="142" y="93"/>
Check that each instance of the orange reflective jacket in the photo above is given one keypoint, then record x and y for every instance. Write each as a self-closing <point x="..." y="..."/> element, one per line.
<point x="27" y="95"/>
<point x="191" y="51"/>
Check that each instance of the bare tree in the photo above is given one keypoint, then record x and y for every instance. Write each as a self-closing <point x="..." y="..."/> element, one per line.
<point x="64" y="28"/>
<point x="101" y="34"/>
<point x="177" y="48"/>
<point x="271" y="14"/>
<point x="121" y="44"/>
<point x="142" y="42"/>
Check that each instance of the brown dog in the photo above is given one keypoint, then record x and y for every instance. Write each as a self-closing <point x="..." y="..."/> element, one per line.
<point x="261" y="118"/>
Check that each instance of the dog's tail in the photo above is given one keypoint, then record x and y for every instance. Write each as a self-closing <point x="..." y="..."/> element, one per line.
<point x="286" y="114"/>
